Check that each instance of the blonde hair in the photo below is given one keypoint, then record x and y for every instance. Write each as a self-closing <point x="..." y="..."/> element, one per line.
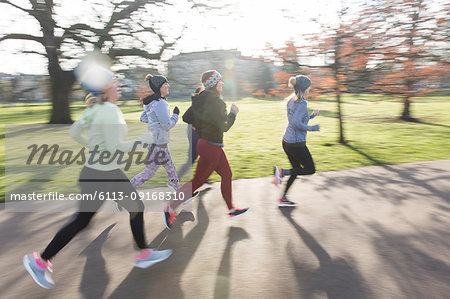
<point x="292" y="96"/>
<point x="148" y="76"/>
<point x="90" y="99"/>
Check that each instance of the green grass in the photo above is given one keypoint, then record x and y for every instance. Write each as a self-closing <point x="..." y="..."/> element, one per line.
<point x="253" y="144"/>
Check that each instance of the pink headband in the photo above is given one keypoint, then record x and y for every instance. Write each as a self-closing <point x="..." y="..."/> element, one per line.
<point x="213" y="79"/>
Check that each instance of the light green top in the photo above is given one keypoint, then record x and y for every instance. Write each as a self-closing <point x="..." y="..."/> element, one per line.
<point x="106" y="129"/>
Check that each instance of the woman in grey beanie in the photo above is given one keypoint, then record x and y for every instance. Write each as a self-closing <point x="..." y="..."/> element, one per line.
<point x="294" y="139"/>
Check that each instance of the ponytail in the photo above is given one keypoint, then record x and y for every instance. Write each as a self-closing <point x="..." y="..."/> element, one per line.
<point x="91" y="100"/>
<point x="292" y="96"/>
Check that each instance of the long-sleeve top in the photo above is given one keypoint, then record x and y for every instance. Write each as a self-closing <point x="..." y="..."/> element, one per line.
<point x="208" y="114"/>
<point x="106" y="129"/>
<point x="157" y="115"/>
<point x="298" y="118"/>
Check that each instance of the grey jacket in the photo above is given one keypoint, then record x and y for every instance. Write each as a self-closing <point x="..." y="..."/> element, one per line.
<point x="298" y="117"/>
<point x="157" y="115"/>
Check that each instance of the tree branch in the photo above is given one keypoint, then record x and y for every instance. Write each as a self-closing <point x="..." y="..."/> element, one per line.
<point x="23" y="37"/>
<point x="28" y="11"/>
<point x="34" y="52"/>
<point x="114" y="53"/>
<point x="131" y="6"/>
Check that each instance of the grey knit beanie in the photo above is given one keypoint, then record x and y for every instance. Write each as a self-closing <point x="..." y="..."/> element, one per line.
<point x="301" y="83"/>
<point x="156" y="82"/>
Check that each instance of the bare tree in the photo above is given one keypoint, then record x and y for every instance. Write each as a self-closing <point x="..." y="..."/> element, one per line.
<point x="120" y="29"/>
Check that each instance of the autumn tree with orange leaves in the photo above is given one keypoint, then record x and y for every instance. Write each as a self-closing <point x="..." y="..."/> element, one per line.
<point x="408" y="49"/>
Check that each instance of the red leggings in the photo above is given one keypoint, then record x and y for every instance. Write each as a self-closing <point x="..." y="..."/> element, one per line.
<point x="212" y="158"/>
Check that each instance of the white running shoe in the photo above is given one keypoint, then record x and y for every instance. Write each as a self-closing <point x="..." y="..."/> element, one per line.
<point x="40" y="271"/>
<point x="149" y="257"/>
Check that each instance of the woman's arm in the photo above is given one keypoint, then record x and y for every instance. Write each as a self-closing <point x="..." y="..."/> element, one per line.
<point x="164" y="118"/>
<point x="297" y="118"/>
<point x="76" y="132"/>
<point x="111" y="131"/>
<point x="220" y="117"/>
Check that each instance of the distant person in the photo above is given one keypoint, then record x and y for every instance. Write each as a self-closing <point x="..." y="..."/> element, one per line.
<point x="157" y="115"/>
<point x="105" y="126"/>
<point x="193" y="138"/>
<point x="209" y="116"/>
<point x="294" y="139"/>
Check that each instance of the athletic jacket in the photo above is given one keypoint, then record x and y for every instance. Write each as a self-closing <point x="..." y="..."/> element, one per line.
<point x="298" y="117"/>
<point x="157" y="115"/>
<point x="208" y="114"/>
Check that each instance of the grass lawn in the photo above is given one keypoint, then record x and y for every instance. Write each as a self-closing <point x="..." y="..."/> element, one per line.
<point x="253" y="144"/>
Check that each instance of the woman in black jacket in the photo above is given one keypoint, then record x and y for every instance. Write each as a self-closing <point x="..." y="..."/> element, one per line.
<point x="208" y="114"/>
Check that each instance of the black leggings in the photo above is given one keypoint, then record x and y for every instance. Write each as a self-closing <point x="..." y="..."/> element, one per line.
<point x="301" y="161"/>
<point x="93" y="182"/>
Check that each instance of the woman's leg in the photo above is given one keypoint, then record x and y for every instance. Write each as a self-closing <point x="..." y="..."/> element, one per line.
<point x="66" y="234"/>
<point x="195" y="139"/>
<point x="88" y="209"/>
<point x="290" y="152"/>
<point x="134" y="207"/>
<point x="224" y="170"/>
<point x="171" y="170"/>
<point x="301" y="161"/>
<point x="207" y="163"/>
<point x="188" y="164"/>
<point x="305" y="158"/>
<point x="150" y="167"/>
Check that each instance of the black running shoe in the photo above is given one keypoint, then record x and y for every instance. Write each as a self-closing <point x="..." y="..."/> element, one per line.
<point x="285" y="203"/>
<point x="237" y="213"/>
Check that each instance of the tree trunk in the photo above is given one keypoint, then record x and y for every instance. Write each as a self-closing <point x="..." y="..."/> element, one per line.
<point x="341" y="123"/>
<point x="406" y="115"/>
<point x="61" y="89"/>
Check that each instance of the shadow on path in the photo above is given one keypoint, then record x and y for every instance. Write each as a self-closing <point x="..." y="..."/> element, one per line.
<point x="409" y="260"/>
<point x="162" y="280"/>
<point x="222" y="286"/>
<point x="94" y="272"/>
<point x="375" y="184"/>
<point x="335" y="276"/>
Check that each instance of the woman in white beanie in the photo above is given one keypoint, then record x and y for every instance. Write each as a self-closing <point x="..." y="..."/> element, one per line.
<point x="106" y="128"/>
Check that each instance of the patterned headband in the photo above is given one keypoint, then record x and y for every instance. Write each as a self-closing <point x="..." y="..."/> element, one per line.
<point x="212" y="80"/>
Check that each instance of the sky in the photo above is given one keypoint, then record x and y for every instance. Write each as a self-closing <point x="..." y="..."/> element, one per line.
<point x="245" y="25"/>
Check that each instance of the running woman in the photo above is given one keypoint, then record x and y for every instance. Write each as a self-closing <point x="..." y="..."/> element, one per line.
<point x="105" y="127"/>
<point x="209" y="116"/>
<point x="157" y="115"/>
<point x="294" y="139"/>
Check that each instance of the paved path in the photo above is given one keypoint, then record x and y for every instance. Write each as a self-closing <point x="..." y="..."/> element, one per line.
<point x="372" y="232"/>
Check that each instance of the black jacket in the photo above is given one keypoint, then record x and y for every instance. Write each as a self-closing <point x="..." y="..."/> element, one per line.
<point x="208" y="114"/>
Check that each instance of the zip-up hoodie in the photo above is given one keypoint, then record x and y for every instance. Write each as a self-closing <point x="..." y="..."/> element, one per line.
<point x="208" y="114"/>
<point x="298" y="117"/>
<point x="157" y="115"/>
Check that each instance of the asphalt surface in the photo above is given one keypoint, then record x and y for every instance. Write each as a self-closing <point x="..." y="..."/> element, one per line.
<point x="372" y="232"/>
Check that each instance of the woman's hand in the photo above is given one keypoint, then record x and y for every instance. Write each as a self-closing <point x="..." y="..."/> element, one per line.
<point x="316" y="113"/>
<point x="235" y="108"/>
